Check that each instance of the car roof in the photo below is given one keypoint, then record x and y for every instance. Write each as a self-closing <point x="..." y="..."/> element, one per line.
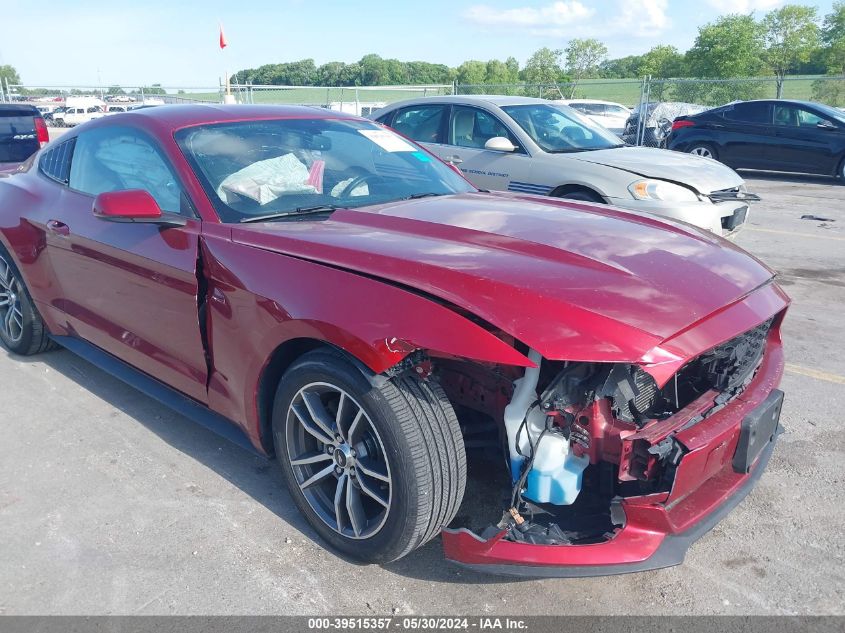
<point x="18" y="108"/>
<point x="497" y="100"/>
<point x="791" y="101"/>
<point x="601" y="101"/>
<point x="185" y="115"/>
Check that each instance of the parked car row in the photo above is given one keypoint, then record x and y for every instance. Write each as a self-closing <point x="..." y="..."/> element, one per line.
<point x="526" y="145"/>
<point x="337" y="296"/>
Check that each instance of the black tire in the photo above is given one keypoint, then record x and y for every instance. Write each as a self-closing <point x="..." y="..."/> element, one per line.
<point x="703" y="149"/>
<point x="22" y="331"/>
<point x="582" y="195"/>
<point x="410" y="426"/>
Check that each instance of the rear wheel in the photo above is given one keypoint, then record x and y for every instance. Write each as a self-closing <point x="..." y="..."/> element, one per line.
<point x="21" y="329"/>
<point x="704" y="150"/>
<point x="376" y="470"/>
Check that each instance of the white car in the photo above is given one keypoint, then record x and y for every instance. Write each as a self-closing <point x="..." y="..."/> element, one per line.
<point x="608" y="114"/>
<point x="74" y="116"/>
<point x="537" y="147"/>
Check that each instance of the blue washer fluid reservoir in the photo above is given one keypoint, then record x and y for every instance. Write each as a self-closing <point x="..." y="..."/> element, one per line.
<point x="557" y="473"/>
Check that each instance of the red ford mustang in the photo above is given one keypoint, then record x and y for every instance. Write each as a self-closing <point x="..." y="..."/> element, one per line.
<point x="360" y="311"/>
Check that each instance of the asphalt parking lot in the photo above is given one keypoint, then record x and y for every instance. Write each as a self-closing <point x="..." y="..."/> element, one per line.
<point x="112" y="504"/>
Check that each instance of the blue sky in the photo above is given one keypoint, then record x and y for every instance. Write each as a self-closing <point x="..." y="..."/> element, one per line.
<point x="175" y="42"/>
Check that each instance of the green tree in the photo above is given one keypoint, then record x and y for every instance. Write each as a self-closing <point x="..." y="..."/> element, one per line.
<point x="790" y="35"/>
<point x="9" y="76"/>
<point x="730" y="47"/>
<point x="330" y="73"/>
<point x="833" y="38"/>
<point x="662" y="62"/>
<point x="115" y="90"/>
<point x="622" y="68"/>
<point x="543" y="67"/>
<point x="583" y="58"/>
<point x="472" y="73"/>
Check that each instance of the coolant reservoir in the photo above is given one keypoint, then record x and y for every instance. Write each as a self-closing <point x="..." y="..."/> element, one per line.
<point x="556" y="473"/>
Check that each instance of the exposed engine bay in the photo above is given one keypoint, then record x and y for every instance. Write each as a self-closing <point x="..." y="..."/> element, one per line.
<point x="580" y="437"/>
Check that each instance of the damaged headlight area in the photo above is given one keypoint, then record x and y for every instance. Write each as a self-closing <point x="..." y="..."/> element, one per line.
<point x="583" y="436"/>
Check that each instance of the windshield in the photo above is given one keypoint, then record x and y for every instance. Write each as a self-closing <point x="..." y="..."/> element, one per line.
<point x="558" y="129"/>
<point x="833" y="113"/>
<point x="252" y="169"/>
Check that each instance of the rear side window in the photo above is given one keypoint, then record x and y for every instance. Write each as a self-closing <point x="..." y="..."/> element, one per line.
<point x="55" y="163"/>
<point x="754" y="112"/>
<point x="421" y="123"/>
<point x="18" y="137"/>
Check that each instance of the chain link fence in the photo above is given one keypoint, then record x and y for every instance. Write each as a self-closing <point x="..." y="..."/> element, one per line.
<point x="360" y="100"/>
<point x="664" y="99"/>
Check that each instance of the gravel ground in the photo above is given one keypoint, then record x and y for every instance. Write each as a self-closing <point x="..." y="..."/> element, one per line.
<point x="112" y="504"/>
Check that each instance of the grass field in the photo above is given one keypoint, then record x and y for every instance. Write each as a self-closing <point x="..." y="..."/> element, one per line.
<point x="625" y="91"/>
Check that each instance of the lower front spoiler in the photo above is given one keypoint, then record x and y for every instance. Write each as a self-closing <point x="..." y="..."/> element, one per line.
<point x="671" y="550"/>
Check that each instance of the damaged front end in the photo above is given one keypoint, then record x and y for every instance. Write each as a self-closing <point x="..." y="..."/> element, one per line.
<point x="613" y="470"/>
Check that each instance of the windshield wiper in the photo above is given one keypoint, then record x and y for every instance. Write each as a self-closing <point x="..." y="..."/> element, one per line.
<point x="417" y="196"/>
<point x="320" y="208"/>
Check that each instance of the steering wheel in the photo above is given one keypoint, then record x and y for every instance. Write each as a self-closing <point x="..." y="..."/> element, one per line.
<point x="357" y="181"/>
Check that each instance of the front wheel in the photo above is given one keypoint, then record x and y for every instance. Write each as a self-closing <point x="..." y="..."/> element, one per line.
<point x="583" y="195"/>
<point x="376" y="470"/>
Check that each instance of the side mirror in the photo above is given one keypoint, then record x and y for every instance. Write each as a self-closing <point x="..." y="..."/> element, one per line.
<point x="826" y="125"/>
<point x="132" y="205"/>
<point x="499" y="144"/>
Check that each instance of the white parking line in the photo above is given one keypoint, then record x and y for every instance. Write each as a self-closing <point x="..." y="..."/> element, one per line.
<point x="815" y="373"/>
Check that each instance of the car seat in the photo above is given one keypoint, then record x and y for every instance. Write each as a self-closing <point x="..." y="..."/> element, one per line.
<point x="463" y="127"/>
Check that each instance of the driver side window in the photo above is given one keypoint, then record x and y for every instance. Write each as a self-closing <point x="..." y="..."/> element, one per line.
<point x="471" y="127"/>
<point x="116" y="159"/>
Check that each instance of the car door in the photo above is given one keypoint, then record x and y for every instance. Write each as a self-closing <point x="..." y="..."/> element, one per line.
<point x="130" y="289"/>
<point x="469" y="128"/>
<point x="746" y="138"/>
<point x="808" y="141"/>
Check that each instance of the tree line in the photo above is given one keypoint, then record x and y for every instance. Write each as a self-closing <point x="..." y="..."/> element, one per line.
<point x="793" y="39"/>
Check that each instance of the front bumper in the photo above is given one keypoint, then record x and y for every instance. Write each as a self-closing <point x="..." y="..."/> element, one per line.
<point x="659" y="528"/>
<point x="722" y="218"/>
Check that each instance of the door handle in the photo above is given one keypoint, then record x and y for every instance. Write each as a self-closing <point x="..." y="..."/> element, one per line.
<point x="58" y="228"/>
<point x="454" y="159"/>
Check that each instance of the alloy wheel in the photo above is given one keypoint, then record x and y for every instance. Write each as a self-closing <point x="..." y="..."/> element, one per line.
<point x="11" y="315"/>
<point x="704" y="152"/>
<point x="338" y="460"/>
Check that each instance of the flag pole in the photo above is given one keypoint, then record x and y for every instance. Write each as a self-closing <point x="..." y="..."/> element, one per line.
<point x="227" y="97"/>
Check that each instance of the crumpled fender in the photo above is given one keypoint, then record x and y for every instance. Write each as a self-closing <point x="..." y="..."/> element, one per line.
<point x="258" y="300"/>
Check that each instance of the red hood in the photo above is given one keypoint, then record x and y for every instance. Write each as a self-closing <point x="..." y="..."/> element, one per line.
<point x="574" y="281"/>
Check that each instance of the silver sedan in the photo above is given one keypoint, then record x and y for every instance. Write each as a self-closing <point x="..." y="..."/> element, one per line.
<point x="534" y="146"/>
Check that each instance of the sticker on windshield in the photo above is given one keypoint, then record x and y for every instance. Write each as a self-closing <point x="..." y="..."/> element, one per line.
<point x="388" y="141"/>
<point x="421" y="157"/>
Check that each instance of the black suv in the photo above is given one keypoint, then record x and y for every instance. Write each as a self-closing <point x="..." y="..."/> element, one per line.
<point x="22" y="133"/>
<point x="772" y="134"/>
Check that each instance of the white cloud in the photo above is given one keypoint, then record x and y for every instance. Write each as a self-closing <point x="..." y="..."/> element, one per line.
<point x="573" y="19"/>
<point x="743" y="6"/>
<point x="546" y="18"/>
<point x="643" y="17"/>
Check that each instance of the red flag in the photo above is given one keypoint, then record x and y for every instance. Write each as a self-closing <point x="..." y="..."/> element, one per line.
<point x="223" y="42"/>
